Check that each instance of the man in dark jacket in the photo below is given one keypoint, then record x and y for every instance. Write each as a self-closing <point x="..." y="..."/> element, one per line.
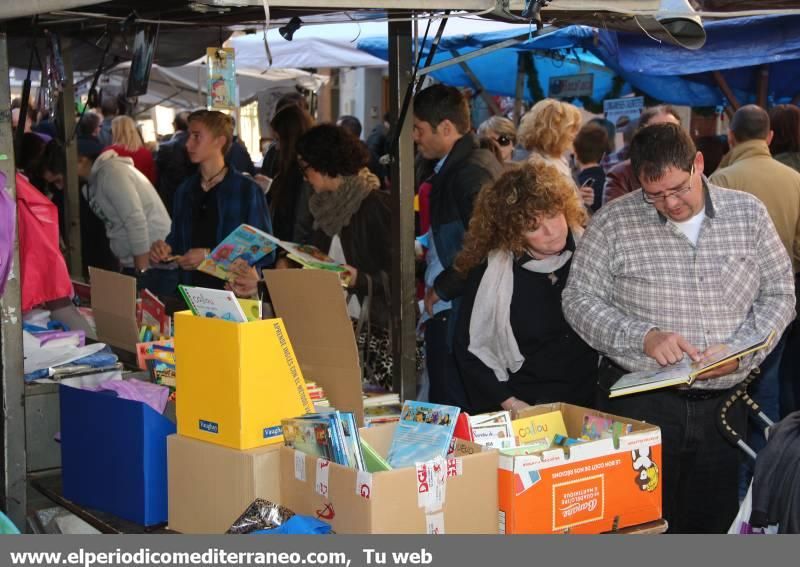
<point x="173" y="162"/>
<point x="442" y="132"/>
<point x="238" y="156"/>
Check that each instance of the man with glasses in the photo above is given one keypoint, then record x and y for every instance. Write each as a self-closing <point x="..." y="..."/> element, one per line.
<point x="668" y="272"/>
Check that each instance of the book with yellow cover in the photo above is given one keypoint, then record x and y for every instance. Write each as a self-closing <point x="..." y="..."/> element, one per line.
<point x="536" y="427"/>
<point x="686" y="371"/>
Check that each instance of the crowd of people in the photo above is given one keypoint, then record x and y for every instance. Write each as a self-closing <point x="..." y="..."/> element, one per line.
<point x="552" y="263"/>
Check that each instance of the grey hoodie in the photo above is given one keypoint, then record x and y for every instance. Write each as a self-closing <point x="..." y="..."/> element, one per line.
<point x="128" y="205"/>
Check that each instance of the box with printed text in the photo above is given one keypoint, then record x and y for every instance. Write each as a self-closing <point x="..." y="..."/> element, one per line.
<point x="447" y="496"/>
<point x="591" y="487"/>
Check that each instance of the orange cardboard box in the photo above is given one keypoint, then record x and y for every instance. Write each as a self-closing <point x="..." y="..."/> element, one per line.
<point x="396" y="501"/>
<point x="588" y="488"/>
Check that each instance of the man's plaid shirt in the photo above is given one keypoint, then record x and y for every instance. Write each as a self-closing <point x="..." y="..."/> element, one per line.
<point x="634" y="271"/>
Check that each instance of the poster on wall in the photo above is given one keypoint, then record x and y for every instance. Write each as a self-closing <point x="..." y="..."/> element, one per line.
<point x="621" y="111"/>
<point x="221" y="86"/>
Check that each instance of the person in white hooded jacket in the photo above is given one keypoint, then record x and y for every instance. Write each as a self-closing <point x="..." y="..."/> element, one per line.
<point x="132" y="211"/>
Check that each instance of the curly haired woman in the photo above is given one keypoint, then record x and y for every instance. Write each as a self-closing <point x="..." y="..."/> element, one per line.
<point x="513" y="345"/>
<point x="547" y="131"/>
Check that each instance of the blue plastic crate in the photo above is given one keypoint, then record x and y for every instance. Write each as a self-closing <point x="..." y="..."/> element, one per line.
<point x="114" y="455"/>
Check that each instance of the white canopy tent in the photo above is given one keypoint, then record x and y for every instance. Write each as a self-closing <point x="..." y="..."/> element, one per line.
<point x="185" y="87"/>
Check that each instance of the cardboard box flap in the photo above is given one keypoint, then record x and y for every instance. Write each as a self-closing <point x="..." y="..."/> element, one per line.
<point x="312" y="306"/>
<point x="114" y="308"/>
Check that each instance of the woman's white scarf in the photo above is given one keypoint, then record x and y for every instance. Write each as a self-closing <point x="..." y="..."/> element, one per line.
<point x="491" y="337"/>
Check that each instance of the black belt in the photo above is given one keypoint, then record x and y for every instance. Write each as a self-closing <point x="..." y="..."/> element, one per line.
<point x="695" y="394"/>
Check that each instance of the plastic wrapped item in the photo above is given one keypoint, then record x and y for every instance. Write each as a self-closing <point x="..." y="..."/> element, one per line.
<point x="260" y="515"/>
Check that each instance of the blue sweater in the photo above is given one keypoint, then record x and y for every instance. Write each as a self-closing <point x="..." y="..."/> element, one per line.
<point x="239" y="200"/>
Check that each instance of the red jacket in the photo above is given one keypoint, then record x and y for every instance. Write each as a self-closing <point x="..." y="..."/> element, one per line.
<point x="44" y="275"/>
<point x="142" y="160"/>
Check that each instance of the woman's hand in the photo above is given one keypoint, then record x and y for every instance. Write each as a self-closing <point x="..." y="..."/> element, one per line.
<point x="244" y="282"/>
<point x="349" y="277"/>
<point x="192" y="258"/>
<point x="159" y="252"/>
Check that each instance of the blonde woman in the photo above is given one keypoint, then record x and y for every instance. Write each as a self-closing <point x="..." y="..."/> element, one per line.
<point x="547" y="131"/>
<point x="126" y="141"/>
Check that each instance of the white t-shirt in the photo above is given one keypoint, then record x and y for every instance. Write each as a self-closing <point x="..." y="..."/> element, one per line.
<point x="691" y="227"/>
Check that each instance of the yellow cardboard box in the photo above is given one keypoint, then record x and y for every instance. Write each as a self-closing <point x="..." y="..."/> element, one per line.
<point x="236" y="381"/>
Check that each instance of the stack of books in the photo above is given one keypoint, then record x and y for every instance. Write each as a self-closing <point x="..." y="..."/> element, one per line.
<point x="381" y="407"/>
<point x="332" y="435"/>
<point x="317" y="395"/>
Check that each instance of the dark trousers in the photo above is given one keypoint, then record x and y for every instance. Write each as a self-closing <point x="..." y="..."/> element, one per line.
<point x="446" y="386"/>
<point x="163" y="283"/>
<point x="700" y="468"/>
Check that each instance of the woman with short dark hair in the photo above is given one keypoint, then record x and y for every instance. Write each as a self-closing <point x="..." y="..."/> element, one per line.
<point x="352" y="218"/>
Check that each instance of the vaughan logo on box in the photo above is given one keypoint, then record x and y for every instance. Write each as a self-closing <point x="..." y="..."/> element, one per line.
<point x="209" y="426"/>
<point x="272" y="431"/>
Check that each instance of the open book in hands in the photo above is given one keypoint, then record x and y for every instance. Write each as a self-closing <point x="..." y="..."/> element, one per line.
<point x="686" y="371"/>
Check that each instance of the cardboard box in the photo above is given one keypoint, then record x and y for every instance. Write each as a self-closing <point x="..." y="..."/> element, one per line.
<point x="114" y="455"/>
<point x="114" y="308"/>
<point x="590" y="487"/>
<point x="313" y="308"/>
<point x="210" y="486"/>
<point x="236" y="381"/>
<point x="393" y="502"/>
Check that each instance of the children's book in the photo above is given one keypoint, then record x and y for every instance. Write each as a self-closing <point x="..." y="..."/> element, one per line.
<point x="154" y="313"/>
<point x="245" y="245"/>
<point x="213" y="303"/>
<point x="597" y="427"/>
<point x="373" y="460"/>
<point x="163" y="350"/>
<point x="493" y="430"/>
<point x="463" y="429"/>
<point x="422" y="434"/>
<point x="542" y="426"/>
<point x="253" y="308"/>
<point x="352" y="440"/>
<point x="308" y="256"/>
<point x="686" y="371"/>
<point x="312" y="436"/>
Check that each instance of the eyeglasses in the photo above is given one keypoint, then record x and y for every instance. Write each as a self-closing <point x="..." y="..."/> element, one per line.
<point x="656" y="199"/>
<point x="504" y="140"/>
<point x="303" y="168"/>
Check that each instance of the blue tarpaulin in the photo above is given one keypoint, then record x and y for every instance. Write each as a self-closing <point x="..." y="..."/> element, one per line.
<point x="736" y="47"/>
<point x="558" y="53"/>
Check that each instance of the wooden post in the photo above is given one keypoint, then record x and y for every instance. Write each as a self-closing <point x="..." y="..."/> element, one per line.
<point x="726" y="90"/>
<point x="487" y="98"/>
<point x="763" y="85"/>
<point x="519" y="90"/>
<point x="404" y="304"/>
<point x="72" y="199"/>
<point x="12" y="384"/>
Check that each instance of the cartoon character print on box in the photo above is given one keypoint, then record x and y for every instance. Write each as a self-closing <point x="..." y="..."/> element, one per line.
<point x="647" y="479"/>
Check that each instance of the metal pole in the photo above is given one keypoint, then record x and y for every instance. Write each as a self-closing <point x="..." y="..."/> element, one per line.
<point x="519" y="89"/>
<point x="72" y="200"/>
<point x="12" y="385"/>
<point x="404" y="307"/>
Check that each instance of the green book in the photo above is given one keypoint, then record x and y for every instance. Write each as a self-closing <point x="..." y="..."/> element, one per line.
<point x="373" y="461"/>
